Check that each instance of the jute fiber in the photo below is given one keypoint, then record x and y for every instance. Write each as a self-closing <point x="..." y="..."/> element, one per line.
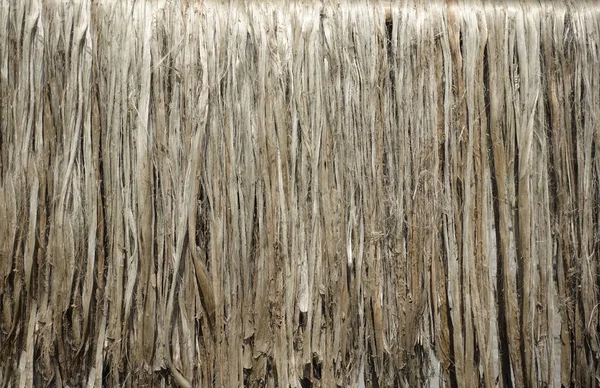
<point x="296" y="193"/>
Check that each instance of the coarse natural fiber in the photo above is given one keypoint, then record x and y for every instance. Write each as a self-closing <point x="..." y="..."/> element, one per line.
<point x="292" y="193"/>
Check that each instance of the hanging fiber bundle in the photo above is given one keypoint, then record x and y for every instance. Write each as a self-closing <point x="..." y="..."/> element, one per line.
<point x="296" y="193"/>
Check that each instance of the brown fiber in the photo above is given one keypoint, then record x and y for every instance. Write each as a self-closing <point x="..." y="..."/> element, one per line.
<point x="294" y="193"/>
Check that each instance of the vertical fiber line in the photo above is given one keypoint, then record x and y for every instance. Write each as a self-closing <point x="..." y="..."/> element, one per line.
<point x="542" y="245"/>
<point x="90" y="176"/>
<point x="557" y="131"/>
<point x="456" y="243"/>
<point x="142" y="17"/>
<point x="528" y="89"/>
<point x="502" y="138"/>
<point x="470" y="47"/>
<point x="217" y="25"/>
<point x="585" y="117"/>
<point x="110" y="153"/>
<point x="29" y="105"/>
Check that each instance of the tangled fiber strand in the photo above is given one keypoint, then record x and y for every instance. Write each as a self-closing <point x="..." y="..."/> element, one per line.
<point x="291" y="193"/>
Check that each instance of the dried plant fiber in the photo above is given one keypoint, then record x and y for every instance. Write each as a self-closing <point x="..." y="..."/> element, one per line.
<point x="295" y="194"/>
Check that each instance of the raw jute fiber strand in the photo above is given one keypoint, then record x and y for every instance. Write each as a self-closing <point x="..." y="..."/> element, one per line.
<point x="294" y="194"/>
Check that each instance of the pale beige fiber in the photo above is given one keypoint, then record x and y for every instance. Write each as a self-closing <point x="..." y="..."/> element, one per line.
<point x="299" y="193"/>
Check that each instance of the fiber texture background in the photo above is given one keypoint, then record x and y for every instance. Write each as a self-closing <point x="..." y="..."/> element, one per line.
<point x="299" y="193"/>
